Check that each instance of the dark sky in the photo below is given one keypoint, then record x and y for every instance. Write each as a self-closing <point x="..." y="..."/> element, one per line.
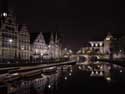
<point x="79" y="20"/>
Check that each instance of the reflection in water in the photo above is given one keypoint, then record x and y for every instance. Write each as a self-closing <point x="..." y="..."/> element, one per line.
<point x="50" y="83"/>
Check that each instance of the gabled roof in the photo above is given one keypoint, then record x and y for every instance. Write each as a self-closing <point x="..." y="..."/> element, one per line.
<point x="46" y="35"/>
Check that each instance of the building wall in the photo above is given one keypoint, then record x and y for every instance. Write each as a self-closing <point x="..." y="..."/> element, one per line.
<point x="108" y="44"/>
<point x="41" y="50"/>
<point x="12" y="40"/>
<point x="8" y="36"/>
<point x="24" y="43"/>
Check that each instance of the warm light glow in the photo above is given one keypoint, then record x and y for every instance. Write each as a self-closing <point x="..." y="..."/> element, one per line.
<point x="96" y="72"/>
<point x="70" y="74"/>
<point x="36" y="51"/>
<point x="92" y="73"/>
<point x="71" y="70"/>
<point x="96" y="44"/>
<point x="107" y="38"/>
<point x="41" y="54"/>
<point x="101" y="73"/>
<point x="120" y="70"/>
<point x="92" y="44"/>
<point x="49" y="86"/>
<point x="15" y="74"/>
<point x="49" y="46"/>
<point x="101" y="67"/>
<point x="70" y="51"/>
<point x="4" y="14"/>
<point x="22" y="48"/>
<point x="65" y="49"/>
<point x="10" y="40"/>
<point x="108" y="78"/>
<point x="65" y="78"/>
<point x="80" y="67"/>
<point x="100" y="43"/>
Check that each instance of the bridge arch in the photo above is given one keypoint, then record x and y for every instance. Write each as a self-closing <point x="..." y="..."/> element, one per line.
<point x="82" y="57"/>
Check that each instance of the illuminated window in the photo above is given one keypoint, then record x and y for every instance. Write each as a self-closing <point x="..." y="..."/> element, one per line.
<point x="4" y="14"/>
<point x="100" y="43"/>
<point x="107" y="38"/>
<point x="92" y="44"/>
<point x="96" y="44"/>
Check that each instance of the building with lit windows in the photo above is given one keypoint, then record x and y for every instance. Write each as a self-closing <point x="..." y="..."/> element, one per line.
<point x="99" y="47"/>
<point x="41" y="49"/>
<point x="8" y="36"/>
<point x="24" y="43"/>
<point x="102" y="47"/>
<point x="14" y="41"/>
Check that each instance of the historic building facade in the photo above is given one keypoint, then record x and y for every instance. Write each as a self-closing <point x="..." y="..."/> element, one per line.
<point x="99" y="47"/>
<point x="39" y="47"/>
<point x="24" y="43"/>
<point x="14" y="43"/>
<point x="42" y="50"/>
<point x="102" y="47"/>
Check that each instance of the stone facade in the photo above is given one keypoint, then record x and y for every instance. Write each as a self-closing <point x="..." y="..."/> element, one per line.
<point x="14" y="43"/>
<point x="42" y="50"/>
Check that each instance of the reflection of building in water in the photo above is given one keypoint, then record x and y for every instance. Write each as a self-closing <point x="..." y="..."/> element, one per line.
<point x="35" y="84"/>
<point x="97" y="69"/>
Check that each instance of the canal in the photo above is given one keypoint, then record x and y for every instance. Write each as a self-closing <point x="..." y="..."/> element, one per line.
<point x="95" y="77"/>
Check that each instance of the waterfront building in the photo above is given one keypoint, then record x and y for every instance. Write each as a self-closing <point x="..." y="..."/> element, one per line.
<point x="108" y="41"/>
<point x="102" y="47"/>
<point x="8" y="36"/>
<point x="43" y="50"/>
<point x="39" y="47"/>
<point x="14" y="42"/>
<point x="24" y="43"/>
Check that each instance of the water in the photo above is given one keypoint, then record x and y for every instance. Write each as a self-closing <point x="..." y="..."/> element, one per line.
<point x="73" y="79"/>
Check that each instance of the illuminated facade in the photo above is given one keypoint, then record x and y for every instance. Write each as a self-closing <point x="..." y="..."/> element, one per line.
<point x="42" y="50"/>
<point x="99" y="47"/>
<point x="108" y="43"/>
<point x="39" y="47"/>
<point x="8" y="36"/>
<point x="103" y="47"/>
<point x="24" y="43"/>
<point x="14" y="43"/>
<point x="54" y="46"/>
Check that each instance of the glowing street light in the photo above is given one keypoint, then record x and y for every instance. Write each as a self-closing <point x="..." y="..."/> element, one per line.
<point x="92" y="73"/>
<point x="79" y="67"/>
<point x="10" y="40"/>
<point x="108" y="78"/>
<point x="65" y="78"/>
<point x="49" y="86"/>
<point x="4" y="14"/>
<point x="120" y="70"/>
<point x="70" y="74"/>
<point x="71" y="70"/>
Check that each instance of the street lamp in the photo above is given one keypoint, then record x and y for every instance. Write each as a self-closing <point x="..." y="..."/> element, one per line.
<point x="10" y="45"/>
<point x="49" y="86"/>
<point x="70" y="74"/>
<point x="10" y="40"/>
<point x="65" y="78"/>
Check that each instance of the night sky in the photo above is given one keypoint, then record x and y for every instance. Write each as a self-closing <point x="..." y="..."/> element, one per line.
<point x="79" y="21"/>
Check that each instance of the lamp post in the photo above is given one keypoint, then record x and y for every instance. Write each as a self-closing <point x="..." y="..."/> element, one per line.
<point x="10" y="45"/>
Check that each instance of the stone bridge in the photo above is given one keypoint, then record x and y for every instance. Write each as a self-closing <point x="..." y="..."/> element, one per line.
<point x="84" y="57"/>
